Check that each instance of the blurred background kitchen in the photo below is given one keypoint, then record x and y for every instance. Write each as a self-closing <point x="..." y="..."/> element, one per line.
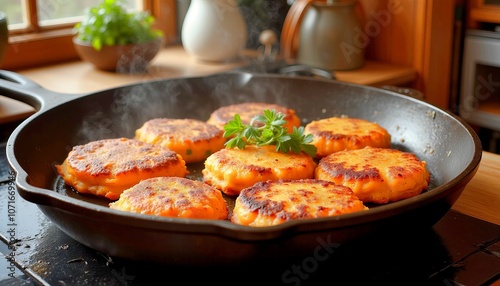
<point x="447" y="51"/>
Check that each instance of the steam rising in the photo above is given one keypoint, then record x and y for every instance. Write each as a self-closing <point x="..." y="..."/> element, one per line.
<point x="127" y="108"/>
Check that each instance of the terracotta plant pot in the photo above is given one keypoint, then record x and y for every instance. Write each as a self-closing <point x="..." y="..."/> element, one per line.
<point x="132" y="58"/>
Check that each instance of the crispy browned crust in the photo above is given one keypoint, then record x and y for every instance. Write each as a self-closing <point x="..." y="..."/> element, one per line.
<point x="275" y="202"/>
<point x="232" y="170"/>
<point x="342" y="133"/>
<point x="107" y="167"/>
<point x="378" y="175"/>
<point x="173" y="197"/>
<point x="193" y="139"/>
<point x="249" y="110"/>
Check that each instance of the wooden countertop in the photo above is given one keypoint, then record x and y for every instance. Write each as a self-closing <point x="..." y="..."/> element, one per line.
<point x="480" y="199"/>
<point x="82" y="77"/>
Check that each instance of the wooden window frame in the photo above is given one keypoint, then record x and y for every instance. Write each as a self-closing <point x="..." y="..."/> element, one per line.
<point x="39" y="46"/>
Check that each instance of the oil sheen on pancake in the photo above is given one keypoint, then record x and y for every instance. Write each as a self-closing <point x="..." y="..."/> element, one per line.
<point x="107" y="167"/>
<point x="173" y="197"/>
<point x="194" y="140"/>
<point x="232" y="170"/>
<point x="342" y="133"/>
<point x="376" y="175"/>
<point x="275" y="202"/>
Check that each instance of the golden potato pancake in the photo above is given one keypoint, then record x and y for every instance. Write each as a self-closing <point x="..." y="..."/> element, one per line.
<point x="194" y="140"/>
<point x="249" y="110"/>
<point x="232" y="170"/>
<point x="377" y="175"/>
<point x="173" y="197"/>
<point x="341" y="133"/>
<point x="275" y="202"/>
<point x="107" y="167"/>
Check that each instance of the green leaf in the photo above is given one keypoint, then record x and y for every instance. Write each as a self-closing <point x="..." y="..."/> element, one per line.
<point x="268" y="129"/>
<point x="109" y="23"/>
<point x="97" y="43"/>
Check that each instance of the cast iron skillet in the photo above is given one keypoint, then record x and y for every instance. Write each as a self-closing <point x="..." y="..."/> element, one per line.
<point x="450" y="147"/>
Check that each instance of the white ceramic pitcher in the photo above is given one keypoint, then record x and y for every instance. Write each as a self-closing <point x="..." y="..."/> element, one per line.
<point x="328" y="36"/>
<point x="214" y="30"/>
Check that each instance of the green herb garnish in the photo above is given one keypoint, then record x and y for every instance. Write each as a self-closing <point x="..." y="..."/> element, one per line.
<point x="109" y="23"/>
<point x="270" y="132"/>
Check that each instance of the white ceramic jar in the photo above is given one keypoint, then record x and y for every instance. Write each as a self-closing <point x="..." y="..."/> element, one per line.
<point x="329" y="35"/>
<point x="214" y="30"/>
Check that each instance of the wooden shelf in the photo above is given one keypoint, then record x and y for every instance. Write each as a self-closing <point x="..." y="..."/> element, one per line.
<point x="480" y="12"/>
<point x="81" y="77"/>
<point x="487" y="114"/>
<point x="379" y="73"/>
<point x="484" y="14"/>
<point x="492" y="105"/>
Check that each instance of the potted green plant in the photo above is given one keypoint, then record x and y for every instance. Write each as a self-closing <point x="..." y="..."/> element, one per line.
<point x="114" y="39"/>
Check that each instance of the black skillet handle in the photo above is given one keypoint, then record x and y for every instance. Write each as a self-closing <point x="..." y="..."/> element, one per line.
<point x="16" y="86"/>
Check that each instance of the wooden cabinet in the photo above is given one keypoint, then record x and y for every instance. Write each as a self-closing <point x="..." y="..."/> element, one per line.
<point x="417" y="34"/>
<point x="481" y="60"/>
<point x="414" y="33"/>
<point x="482" y="12"/>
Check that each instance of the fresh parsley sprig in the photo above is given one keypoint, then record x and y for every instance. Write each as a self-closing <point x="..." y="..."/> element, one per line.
<point x="271" y="132"/>
<point x="110" y="23"/>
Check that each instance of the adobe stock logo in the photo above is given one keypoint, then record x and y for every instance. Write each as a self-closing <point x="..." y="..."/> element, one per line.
<point x="298" y="273"/>
<point x="485" y="88"/>
<point x="373" y="28"/>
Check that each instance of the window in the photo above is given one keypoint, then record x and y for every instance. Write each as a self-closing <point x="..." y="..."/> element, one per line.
<point x="49" y="13"/>
<point x="40" y="31"/>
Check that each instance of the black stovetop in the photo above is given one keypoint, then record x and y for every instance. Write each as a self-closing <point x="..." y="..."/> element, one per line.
<point x="458" y="250"/>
